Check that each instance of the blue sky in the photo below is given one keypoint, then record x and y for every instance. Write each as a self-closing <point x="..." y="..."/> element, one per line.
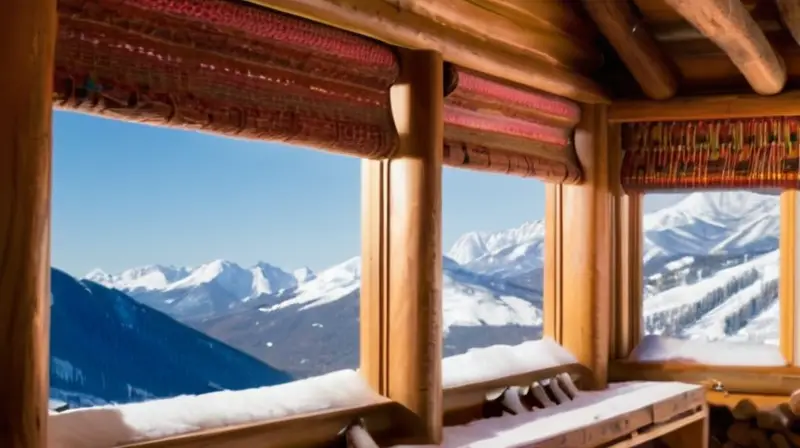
<point x="127" y="195"/>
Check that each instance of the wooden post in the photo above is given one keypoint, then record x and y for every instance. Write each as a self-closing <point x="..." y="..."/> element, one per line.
<point x="401" y="303"/>
<point x="587" y="250"/>
<point x="27" y="45"/>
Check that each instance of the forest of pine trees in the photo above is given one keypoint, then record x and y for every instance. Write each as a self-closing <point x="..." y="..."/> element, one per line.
<point x="673" y="321"/>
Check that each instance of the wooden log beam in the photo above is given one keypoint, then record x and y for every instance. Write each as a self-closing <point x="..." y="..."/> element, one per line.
<point x="401" y="306"/>
<point x="587" y="251"/>
<point x="706" y="108"/>
<point x="560" y="17"/>
<point x="790" y="16"/>
<point x="729" y="25"/>
<point x="467" y="17"/>
<point x="635" y="46"/>
<point x="27" y="50"/>
<point x="385" y="22"/>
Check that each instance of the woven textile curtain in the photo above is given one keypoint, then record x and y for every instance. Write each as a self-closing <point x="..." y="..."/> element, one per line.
<point x="245" y="71"/>
<point x="694" y="155"/>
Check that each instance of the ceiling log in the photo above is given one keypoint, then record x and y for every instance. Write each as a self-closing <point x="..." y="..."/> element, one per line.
<point x="790" y="16"/>
<point x="385" y="22"/>
<point x="729" y="25"/>
<point x="526" y="36"/>
<point x="635" y="46"/>
<point x="559" y="16"/>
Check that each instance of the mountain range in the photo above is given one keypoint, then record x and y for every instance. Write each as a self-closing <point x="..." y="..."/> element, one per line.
<point x="107" y="347"/>
<point x="306" y="323"/>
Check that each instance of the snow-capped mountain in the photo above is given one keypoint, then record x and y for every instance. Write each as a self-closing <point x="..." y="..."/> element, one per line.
<point x="510" y="252"/>
<point x="307" y="323"/>
<point x="206" y="290"/>
<point x="706" y="223"/>
<point x="106" y="347"/>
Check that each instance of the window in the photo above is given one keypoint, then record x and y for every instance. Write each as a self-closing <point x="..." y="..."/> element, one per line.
<point x="493" y="232"/>
<point x="185" y="263"/>
<point x="711" y="273"/>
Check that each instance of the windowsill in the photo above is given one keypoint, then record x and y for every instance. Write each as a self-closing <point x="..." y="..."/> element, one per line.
<point x="660" y="349"/>
<point x="335" y="398"/>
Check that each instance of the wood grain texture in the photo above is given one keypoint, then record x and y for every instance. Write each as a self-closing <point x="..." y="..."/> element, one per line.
<point x="710" y="107"/>
<point x="728" y="24"/>
<point x="312" y="430"/>
<point x="385" y="22"/>
<point x="635" y="46"/>
<point x="540" y="42"/>
<point x="787" y="285"/>
<point x="401" y="328"/>
<point x="587" y="250"/>
<point x="27" y="44"/>
<point x="735" y="379"/>
<point x="789" y="11"/>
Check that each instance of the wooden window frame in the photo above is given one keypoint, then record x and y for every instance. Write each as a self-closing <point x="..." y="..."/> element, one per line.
<point x="401" y="334"/>
<point x="781" y="380"/>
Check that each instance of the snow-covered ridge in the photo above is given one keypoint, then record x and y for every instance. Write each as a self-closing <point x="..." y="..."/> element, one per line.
<point x="258" y="279"/>
<point x="476" y="267"/>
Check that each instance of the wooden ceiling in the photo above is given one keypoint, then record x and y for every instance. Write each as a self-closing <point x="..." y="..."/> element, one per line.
<point x="590" y="50"/>
<point x="717" y="46"/>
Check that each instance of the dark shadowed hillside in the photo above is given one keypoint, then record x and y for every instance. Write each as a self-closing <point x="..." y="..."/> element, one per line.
<point x="106" y="347"/>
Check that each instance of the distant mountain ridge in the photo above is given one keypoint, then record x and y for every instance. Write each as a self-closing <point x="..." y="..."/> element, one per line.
<point x="107" y="347"/>
<point x="492" y="286"/>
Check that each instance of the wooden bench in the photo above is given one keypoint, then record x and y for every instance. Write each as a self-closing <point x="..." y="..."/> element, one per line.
<point x="623" y="415"/>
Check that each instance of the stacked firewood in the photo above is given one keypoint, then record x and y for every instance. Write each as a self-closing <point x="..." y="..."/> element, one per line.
<point x="745" y="425"/>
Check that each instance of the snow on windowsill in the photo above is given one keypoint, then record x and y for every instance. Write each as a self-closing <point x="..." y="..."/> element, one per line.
<point x="107" y="426"/>
<point x="533" y="427"/>
<point x="485" y="364"/>
<point x="655" y="348"/>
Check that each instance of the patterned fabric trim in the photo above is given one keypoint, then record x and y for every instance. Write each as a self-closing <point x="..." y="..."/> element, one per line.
<point x="747" y="153"/>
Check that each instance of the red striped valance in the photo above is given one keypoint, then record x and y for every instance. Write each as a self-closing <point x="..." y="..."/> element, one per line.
<point x="742" y="153"/>
<point x="229" y="68"/>
<point x="492" y="126"/>
<point x="246" y="71"/>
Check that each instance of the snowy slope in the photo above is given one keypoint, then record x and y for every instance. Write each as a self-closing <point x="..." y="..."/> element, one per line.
<point x="705" y="223"/>
<point x="106" y="347"/>
<point x="492" y="287"/>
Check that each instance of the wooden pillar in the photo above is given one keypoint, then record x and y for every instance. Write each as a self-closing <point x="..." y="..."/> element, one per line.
<point x="27" y="45"/>
<point x="587" y="250"/>
<point x="401" y="306"/>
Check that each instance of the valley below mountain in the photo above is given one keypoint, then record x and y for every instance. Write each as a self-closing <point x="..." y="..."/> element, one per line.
<point x="106" y="347"/>
<point x="710" y="270"/>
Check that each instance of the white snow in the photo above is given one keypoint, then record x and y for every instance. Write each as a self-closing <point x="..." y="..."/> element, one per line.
<point x="520" y="248"/>
<point x="498" y="361"/>
<point x="106" y="426"/>
<point x="588" y="408"/>
<point x="713" y="222"/>
<point x="718" y="353"/>
<point x="110" y="425"/>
